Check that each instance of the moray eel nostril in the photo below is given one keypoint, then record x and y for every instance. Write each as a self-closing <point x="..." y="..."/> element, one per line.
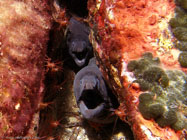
<point x="93" y="97"/>
<point x="89" y="82"/>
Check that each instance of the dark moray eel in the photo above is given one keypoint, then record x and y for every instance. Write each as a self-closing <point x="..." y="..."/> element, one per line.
<point x="79" y="46"/>
<point x="94" y="99"/>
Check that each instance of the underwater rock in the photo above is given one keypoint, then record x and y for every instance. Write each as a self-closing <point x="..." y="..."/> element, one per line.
<point x="139" y="54"/>
<point x="24" y="32"/>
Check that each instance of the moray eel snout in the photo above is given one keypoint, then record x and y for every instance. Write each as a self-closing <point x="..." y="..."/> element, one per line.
<point x="92" y="95"/>
<point x="89" y="82"/>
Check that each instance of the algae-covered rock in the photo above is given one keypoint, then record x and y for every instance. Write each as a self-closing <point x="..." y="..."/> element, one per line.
<point x="147" y="76"/>
<point x="24" y="32"/>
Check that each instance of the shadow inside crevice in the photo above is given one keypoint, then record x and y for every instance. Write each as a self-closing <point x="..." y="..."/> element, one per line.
<point x="76" y="7"/>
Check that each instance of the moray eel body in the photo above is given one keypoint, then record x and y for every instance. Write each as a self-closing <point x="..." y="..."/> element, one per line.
<point x="95" y="100"/>
<point x="79" y="46"/>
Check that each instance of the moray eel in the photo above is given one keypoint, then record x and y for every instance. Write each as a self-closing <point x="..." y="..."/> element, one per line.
<point x="94" y="99"/>
<point x="79" y="46"/>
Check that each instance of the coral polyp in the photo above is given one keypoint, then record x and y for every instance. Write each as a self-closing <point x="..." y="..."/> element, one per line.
<point x="182" y="45"/>
<point x="156" y="74"/>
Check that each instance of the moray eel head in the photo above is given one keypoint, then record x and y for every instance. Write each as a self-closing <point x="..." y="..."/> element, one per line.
<point x="79" y="51"/>
<point x="89" y="90"/>
<point x="79" y="46"/>
<point x="93" y="97"/>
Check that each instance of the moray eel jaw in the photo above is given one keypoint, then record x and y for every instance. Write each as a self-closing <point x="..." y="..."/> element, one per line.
<point x="91" y="114"/>
<point x="93" y="102"/>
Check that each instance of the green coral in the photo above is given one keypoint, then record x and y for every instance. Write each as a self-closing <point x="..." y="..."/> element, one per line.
<point x="178" y="21"/>
<point x="180" y="33"/>
<point x="167" y="118"/>
<point x="183" y="59"/>
<point x="132" y="65"/>
<point x="179" y="28"/>
<point x="166" y="92"/>
<point x="180" y="123"/>
<point x="182" y="3"/>
<point x="156" y="74"/>
<point x="150" y="109"/>
<point x="144" y="85"/>
<point x="182" y="45"/>
<point x="146" y="97"/>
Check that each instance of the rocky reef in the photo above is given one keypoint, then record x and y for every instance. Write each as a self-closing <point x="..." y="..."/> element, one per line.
<point x="24" y="32"/>
<point x="140" y="46"/>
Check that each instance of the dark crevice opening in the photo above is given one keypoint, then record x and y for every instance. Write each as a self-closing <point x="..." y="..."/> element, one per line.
<point x="76" y="7"/>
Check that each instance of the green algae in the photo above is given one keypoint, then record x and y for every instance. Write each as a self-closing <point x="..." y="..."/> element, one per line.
<point x="183" y="59"/>
<point x="182" y="3"/>
<point x="180" y="33"/>
<point x="182" y="45"/>
<point x="178" y="21"/>
<point x="166" y="92"/>
<point x="168" y="118"/>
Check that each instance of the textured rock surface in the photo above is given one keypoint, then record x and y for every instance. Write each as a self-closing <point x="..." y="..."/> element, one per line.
<point x="24" y="28"/>
<point x="136" y="43"/>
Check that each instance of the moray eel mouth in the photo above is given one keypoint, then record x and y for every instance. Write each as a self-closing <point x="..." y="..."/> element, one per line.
<point x="91" y="102"/>
<point x="91" y="98"/>
<point x="79" y="51"/>
<point x="80" y="57"/>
